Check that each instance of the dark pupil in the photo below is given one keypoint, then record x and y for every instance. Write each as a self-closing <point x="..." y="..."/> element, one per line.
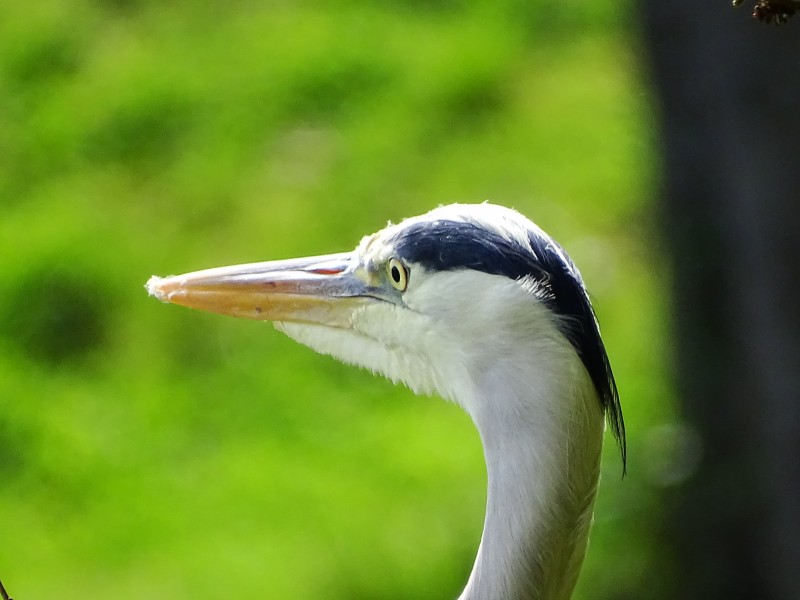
<point x="396" y="274"/>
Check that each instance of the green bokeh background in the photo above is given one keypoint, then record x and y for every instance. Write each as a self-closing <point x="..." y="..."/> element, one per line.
<point x="148" y="451"/>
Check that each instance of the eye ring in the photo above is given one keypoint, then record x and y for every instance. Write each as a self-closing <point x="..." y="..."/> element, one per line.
<point x="398" y="274"/>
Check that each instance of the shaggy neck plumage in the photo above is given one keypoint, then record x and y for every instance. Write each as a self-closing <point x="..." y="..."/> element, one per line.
<point x="532" y="400"/>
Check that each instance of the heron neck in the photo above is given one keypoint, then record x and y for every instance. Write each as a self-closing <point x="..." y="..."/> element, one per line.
<point x="542" y="452"/>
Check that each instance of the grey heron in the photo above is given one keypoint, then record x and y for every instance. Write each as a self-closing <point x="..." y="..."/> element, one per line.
<point x="476" y="303"/>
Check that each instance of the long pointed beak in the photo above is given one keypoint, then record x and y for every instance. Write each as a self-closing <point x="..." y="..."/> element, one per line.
<point x="320" y="290"/>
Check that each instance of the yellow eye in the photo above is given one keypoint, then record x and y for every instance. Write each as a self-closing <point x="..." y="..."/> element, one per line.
<point x="398" y="274"/>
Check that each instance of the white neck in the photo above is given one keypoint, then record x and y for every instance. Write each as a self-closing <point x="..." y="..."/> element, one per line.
<point x="531" y="399"/>
<point x="542" y="446"/>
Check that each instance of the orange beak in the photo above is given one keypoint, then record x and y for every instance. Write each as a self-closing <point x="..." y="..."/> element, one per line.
<point x="323" y="290"/>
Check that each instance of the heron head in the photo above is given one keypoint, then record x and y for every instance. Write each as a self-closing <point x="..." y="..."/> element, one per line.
<point x="432" y="301"/>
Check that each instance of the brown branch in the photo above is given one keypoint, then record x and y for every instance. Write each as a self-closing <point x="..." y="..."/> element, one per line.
<point x="773" y="11"/>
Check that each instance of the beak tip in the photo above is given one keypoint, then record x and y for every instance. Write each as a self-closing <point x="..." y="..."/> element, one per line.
<point x="153" y="287"/>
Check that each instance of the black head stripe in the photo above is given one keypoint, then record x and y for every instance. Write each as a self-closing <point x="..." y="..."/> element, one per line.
<point x="569" y="299"/>
<point x="449" y="245"/>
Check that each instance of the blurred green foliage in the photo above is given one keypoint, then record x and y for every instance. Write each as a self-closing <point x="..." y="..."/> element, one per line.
<point x="147" y="451"/>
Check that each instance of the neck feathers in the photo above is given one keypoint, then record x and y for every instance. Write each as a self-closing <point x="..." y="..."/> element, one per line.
<point x="542" y="437"/>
